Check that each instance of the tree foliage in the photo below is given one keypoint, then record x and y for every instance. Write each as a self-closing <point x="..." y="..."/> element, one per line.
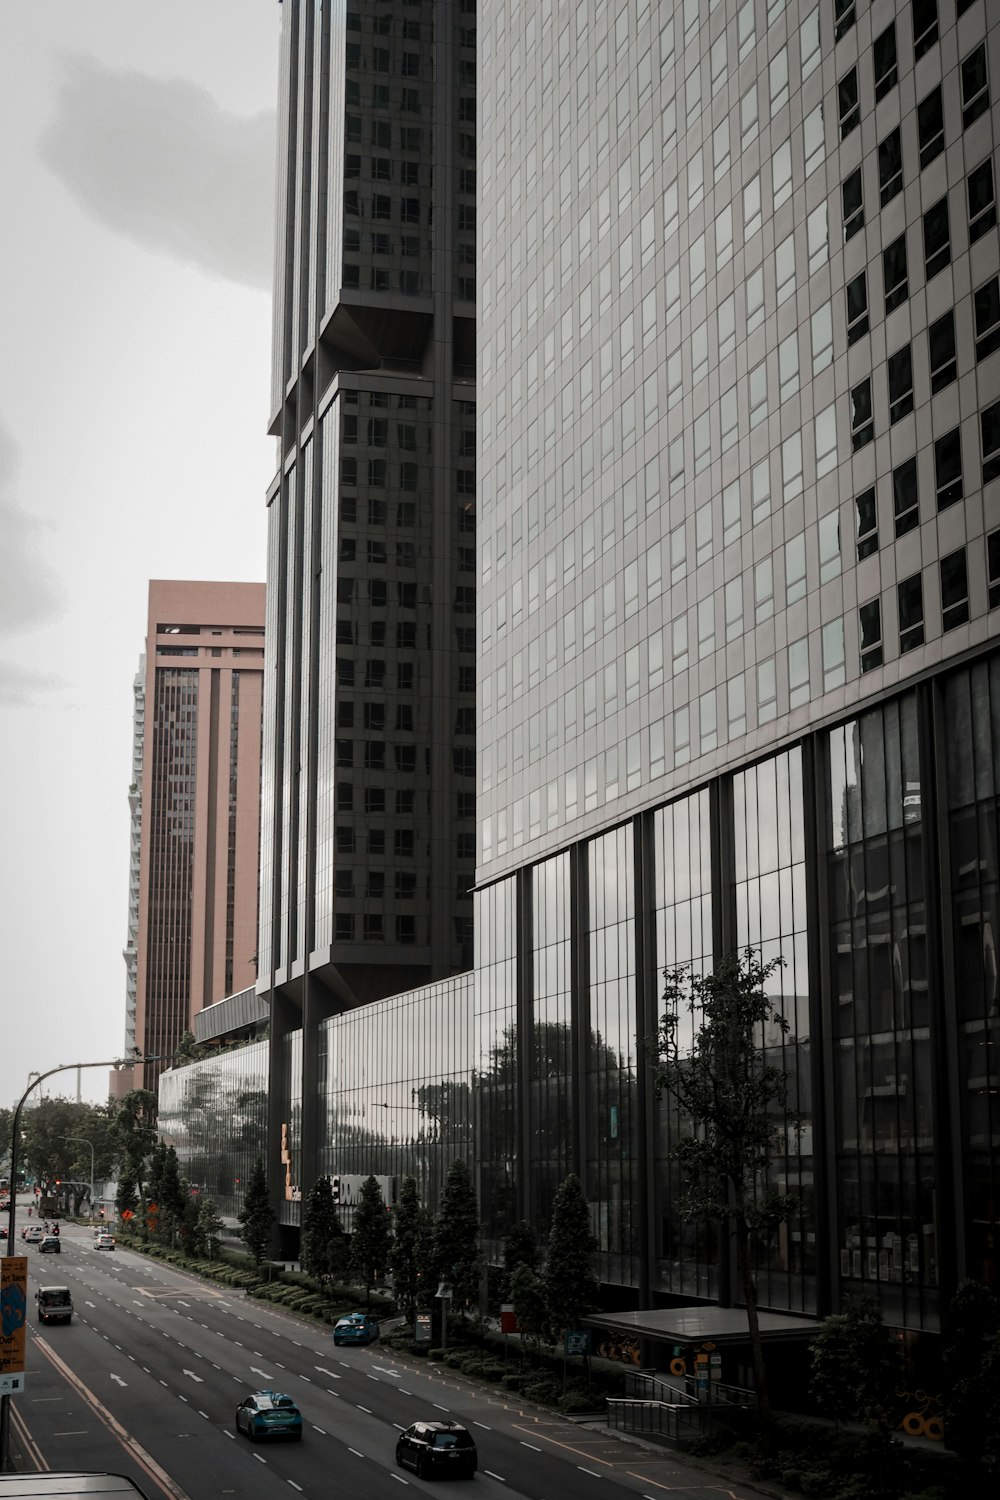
<point x="173" y="1197"/>
<point x="257" y="1216"/>
<point x="404" y="1252"/>
<point x="456" y="1235"/>
<point x="134" y="1129"/>
<point x="210" y="1227"/>
<point x="732" y="1104"/>
<point x="370" y="1234"/>
<point x="971" y="1360"/>
<point x="857" y="1364"/>
<point x="528" y="1298"/>
<point x="324" y="1244"/>
<point x="569" y="1285"/>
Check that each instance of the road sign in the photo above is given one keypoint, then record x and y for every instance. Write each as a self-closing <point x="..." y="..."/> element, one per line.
<point x="577" y="1341"/>
<point x="13" y="1312"/>
<point x="9" y="1384"/>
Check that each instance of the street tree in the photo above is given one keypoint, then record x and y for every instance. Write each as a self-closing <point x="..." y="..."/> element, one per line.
<point x="210" y="1227"/>
<point x="971" y="1361"/>
<point x="427" y="1275"/>
<point x="404" y="1251"/>
<point x="528" y="1299"/>
<point x="569" y="1285"/>
<point x="173" y="1198"/>
<point x="324" y="1244"/>
<point x="857" y="1363"/>
<point x="370" y="1235"/>
<point x="134" y="1128"/>
<point x="257" y="1216"/>
<point x="154" y="1188"/>
<point x="731" y="1102"/>
<point x="456" y="1235"/>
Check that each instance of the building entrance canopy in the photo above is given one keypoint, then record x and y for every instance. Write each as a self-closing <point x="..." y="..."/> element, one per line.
<point x="696" y="1325"/>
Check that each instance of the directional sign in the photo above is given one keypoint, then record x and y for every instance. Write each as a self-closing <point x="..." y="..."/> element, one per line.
<point x="11" y="1383"/>
<point x="13" y="1312"/>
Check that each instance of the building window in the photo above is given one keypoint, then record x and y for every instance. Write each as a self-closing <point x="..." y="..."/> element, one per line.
<point x="870" y="620"/>
<point x="954" y="590"/>
<point x="937" y="238"/>
<point x="857" y="308"/>
<point x="975" y="85"/>
<point x="867" y="514"/>
<point x="993" y="568"/>
<point x="886" y="71"/>
<point x="848" y="103"/>
<point x="989" y="430"/>
<point x="852" y="192"/>
<point x="862" y="425"/>
<point x="904" y="496"/>
<point x="843" y="17"/>
<point x="343" y="926"/>
<point x="900" y="384"/>
<point x="890" y="166"/>
<point x="987" y="308"/>
<point x="941" y="339"/>
<point x="982" y="200"/>
<point x="925" y="26"/>
<point x="930" y="127"/>
<point x="948" y="468"/>
<point x="895" y="277"/>
<point x="910" y="600"/>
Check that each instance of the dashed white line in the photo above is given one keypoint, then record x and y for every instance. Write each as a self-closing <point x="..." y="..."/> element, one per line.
<point x="295" y="1486"/>
<point x="483" y="1425"/>
<point x="355" y="1452"/>
<point x="439" y="1407"/>
<point x="258" y="1458"/>
<point x="531" y="1446"/>
<point x="593" y="1474"/>
<point x="399" y="1478"/>
<point x="365" y="1409"/>
<point x="228" y="1434"/>
<point x="307" y="1378"/>
<point x="495" y="1476"/>
<point x="320" y="1430"/>
<point x="182" y="1398"/>
<point x="203" y="1414"/>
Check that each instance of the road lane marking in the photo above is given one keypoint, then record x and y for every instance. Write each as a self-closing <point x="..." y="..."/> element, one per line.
<point x="495" y="1476"/>
<point x="365" y="1408"/>
<point x="355" y="1452"/>
<point x="588" y="1471"/>
<point x="119" y="1380"/>
<point x="483" y="1426"/>
<point x="531" y="1446"/>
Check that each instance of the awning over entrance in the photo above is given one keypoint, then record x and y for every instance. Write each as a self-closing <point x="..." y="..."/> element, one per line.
<point x="695" y="1325"/>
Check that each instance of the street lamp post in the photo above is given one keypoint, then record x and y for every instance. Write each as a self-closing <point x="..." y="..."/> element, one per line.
<point x="83" y="1141"/>
<point x="15" y="1140"/>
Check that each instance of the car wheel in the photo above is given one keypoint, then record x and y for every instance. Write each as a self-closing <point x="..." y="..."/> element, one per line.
<point x="423" y="1467"/>
<point x="238" y="1427"/>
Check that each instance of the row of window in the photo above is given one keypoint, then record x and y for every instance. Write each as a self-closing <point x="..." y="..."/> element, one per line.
<point x="373" y="929"/>
<point x="924" y="20"/>
<point x="954" y="578"/>
<point x="943" y="364"/>
<point x="404" y="514"/>
<point x="406" y="675"/>
<point x="347" y="838"/>
<point x="975" y="93"/>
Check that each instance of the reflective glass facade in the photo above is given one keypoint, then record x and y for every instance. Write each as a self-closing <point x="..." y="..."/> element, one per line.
<point x="214" y="1113"/>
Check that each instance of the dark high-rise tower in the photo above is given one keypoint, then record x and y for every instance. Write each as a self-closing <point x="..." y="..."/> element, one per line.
<point x="369" y="748"/>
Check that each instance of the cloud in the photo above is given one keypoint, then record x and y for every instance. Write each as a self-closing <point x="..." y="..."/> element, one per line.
<point x="21" y="686"/>
<point x="30" y="589"/>
<point x="157" y="160"/>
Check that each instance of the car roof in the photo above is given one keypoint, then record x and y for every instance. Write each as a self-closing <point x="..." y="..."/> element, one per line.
<point x="441" y="1426"/>
<point x="272" y="1398"/>
<point x="52" y="1288"/>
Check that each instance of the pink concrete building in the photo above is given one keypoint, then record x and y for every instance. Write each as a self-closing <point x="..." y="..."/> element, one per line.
<point x="196" y="809"/>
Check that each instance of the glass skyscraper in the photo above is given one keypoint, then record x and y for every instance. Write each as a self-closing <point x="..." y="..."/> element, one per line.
<point x="368" y="789"/>
<point x="739" y="607"/>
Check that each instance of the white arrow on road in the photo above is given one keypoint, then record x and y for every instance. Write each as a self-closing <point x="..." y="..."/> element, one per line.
<point x="119" y="1380"/>
<point x="382" y="1370"/>
<point x="326" y="1372"/>
<point x="262" y="1373"/>
<point x="193" y="1376"/>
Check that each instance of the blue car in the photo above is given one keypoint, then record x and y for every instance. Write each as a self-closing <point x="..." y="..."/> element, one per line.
<point x="356" y="1328"/>
<point x="269" y="1414"/>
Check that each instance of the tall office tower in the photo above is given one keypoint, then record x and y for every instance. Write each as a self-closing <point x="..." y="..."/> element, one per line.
<point x="739" y="614"/>
<point x="121" y="1081"/>
<point x="197" y="753"/>
<point x="368" y="802"/>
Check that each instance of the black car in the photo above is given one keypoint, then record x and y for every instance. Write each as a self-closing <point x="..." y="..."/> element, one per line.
<point x="434" y="1448"/>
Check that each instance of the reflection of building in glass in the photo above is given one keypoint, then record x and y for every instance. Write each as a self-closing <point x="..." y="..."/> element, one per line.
<point x="196" y="768"/>
<point x="215" y="1115"/>
<point x="368" y="788"/>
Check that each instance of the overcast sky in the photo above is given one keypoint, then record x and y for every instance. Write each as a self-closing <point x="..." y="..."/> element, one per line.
<point x="135" y="277"/>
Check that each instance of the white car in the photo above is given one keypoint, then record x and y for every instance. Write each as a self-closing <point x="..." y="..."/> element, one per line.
<point x="104" y="1242"/>
<point x="33" y="1233"/>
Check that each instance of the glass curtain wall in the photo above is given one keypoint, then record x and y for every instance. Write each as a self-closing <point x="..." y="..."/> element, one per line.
<point x="550" y="1042"/>
<point x="687" y="1254"/>
<point x="396" y="1089"/>
<point x="494" y="1061"/>
<point x="769" y="855"/>
<point x="290" y="1126"/>
<point x="881" y="1023"/>
<point x="972" y="750"/>
<point x="214" y="1114"/>
<point x="610" y="1042"/>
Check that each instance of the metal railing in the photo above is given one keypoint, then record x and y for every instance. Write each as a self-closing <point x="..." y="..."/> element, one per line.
<point x="667" y="1419"/>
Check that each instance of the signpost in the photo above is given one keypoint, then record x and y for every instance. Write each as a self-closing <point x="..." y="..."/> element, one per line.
<point x="13" y="1317"/>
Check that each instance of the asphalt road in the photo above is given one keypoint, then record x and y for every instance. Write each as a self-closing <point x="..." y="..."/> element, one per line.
<point x="147" y="1377"/>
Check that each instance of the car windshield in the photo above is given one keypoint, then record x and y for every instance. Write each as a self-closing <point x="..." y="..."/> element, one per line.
<point x="275" y="1402"/>
<point x="53" y="1296"/>
<point x="452" y="1440"/>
